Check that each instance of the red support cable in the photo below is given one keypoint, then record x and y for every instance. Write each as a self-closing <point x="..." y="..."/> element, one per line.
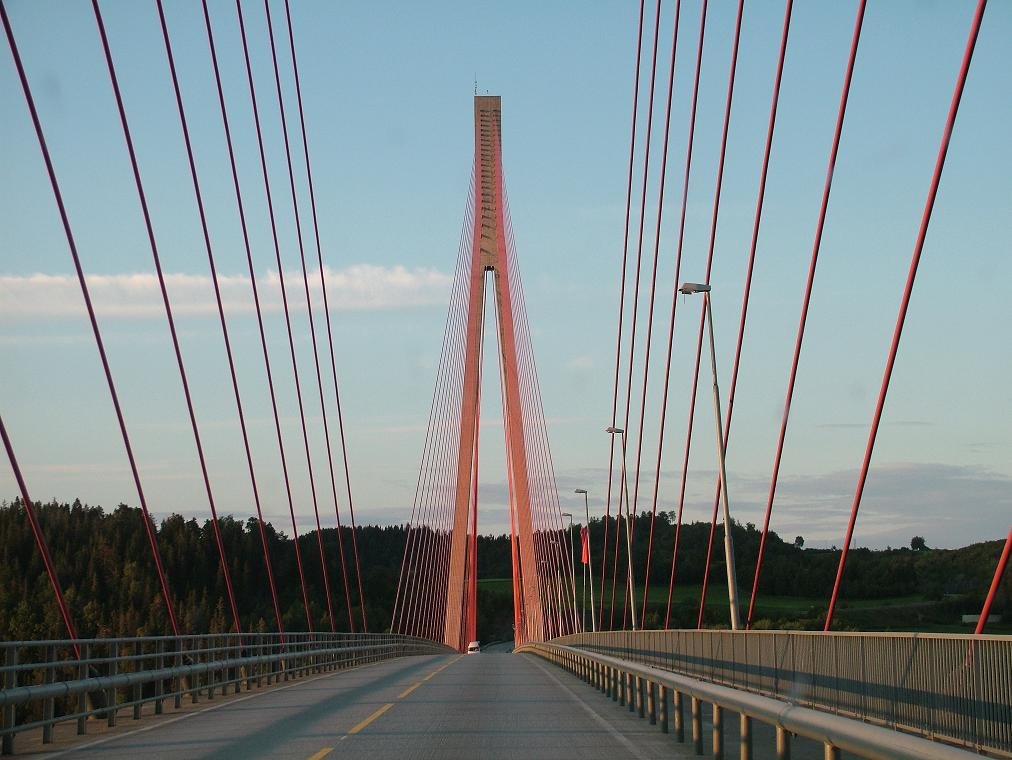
<point x="100" y="344"/>
<point x="671" y="323"/>
<point x="650" y="310"/>
<point x="326" y="312"/>
<point x="915" y="259"/>
<point x="40" y="538"/>
<point x="709" y="269"/>
<point x="999" y="571"/>
<point x="284" y="304"/>
<point x="168" y="312"/>
<point x="221" y="313"/>
<point x="752" y="251"/>
<point x="430" y="552"/>
<point x="631" y="507"/>
<point x="808" y="285"/>
<point x="259" y="312"/>
<point x="398" y="602"/>
<point x="312" y="335"/>
<point x="621" y="312"/>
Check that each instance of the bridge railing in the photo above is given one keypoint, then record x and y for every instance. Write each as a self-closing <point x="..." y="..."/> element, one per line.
<point x="44" y="683"/>
<point x="957" y="688"/>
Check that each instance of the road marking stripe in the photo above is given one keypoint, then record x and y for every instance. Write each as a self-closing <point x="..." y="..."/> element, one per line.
<point x="633" y="751"/>
<point x="359" y="726"/>
<point x="408" y="690"/>
<point x="322" y="753"/>
<point x="444" y="667"/>
<point x="185" y="715"/>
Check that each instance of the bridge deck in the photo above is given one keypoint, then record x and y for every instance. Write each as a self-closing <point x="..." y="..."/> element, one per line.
<point x="492" y="705"/>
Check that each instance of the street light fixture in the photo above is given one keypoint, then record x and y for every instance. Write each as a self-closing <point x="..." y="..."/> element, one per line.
<point x="690" y="288"/>
<point x="628" y="522"/>
<point x="572" y="562"/>
<point x="588" y="567"/>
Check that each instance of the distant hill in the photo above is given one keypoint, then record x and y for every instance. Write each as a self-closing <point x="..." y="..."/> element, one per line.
<point x="105" y="566"/>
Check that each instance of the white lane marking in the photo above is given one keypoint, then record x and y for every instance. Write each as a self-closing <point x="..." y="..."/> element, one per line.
<point x="590" y="711"/>
<point x="169" y="721"/>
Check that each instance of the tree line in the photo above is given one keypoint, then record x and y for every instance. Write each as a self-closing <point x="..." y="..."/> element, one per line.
<point x="104" y="564"/>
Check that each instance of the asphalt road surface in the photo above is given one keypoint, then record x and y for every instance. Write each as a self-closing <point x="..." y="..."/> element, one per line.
<point x="488" y="706"/>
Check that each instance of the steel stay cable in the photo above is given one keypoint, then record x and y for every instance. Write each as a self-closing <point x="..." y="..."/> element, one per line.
<point x="806" y="299"/>
<point x="221" y="312"/>
<point x="539" y="414"/>
<point x="259" y="312"/>
<point x="96" y="332"/>
<point x="40" y="539"/>
<point x="435" y="557"/>
<point x="447" y="466"/>
<point x="168" y="311"/>
<point x="631" y="507"/>
<point x="752" y="249"/>
<point x="326" y="312"/>
<point x="284" y="304"/>
<point x="703" y="305"/>
<point x="428" y="438"/>
<point x="908" y="288"/>
<point x="312" y="335"/>
<point x="671" y="323"/>
<point x="621" y="312"/>
<point x="428" y="520"/>
<point x="657" y="245"/>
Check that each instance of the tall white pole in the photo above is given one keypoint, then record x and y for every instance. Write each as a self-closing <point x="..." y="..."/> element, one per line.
<point x="732" y="582"/>
<point x="589" y="567"/>
<point x="628" y="536"/>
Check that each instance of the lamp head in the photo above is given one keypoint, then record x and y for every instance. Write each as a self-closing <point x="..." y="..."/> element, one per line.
<point x="688" y="288"/>
<point x="614" y="430"/>
<point x="580" y="490"/>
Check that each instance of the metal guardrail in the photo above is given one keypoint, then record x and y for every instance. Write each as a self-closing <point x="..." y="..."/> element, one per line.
<point x="659" y="695"/>
<point x="43" y="683"/>
<point x="955" y="688"/>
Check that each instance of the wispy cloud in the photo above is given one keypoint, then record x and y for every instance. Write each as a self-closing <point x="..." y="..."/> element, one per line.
<point x="361" y="287"/>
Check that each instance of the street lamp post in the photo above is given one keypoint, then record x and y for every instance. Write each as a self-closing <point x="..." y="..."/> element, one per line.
<point x="572" y="563"/>
<point x="689" y="288"/>
<point x="628" y="523"/>
<point x="588" y="567"/>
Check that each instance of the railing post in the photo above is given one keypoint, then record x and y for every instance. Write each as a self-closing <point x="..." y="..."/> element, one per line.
<point x="783" y="744"/>
<point x="718" y="731"/>
<point x="159" y="684"/>
<point x="745" y="738"/>
<point x="663" y="705"/>
<point x="111" y="693"/>
<point x="9" y="716"/>
<point x="679" y="716"/>
<point x="178" y="682"/>
<point x="621" y="687"/>
<point x="697" y="726"/>
<point x="82" y="698"/>
<point x="652" y="702"/>
<point x="641" y="685"/>
<point x="48" y="676"/>
<point x="829" y="752"/>
<point x="135" y="695"/>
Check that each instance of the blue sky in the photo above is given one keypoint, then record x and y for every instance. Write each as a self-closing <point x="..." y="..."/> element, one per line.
<point x="387" y="88"/>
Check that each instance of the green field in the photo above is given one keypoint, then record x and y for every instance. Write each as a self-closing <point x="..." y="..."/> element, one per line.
<point x="872" y="614"/>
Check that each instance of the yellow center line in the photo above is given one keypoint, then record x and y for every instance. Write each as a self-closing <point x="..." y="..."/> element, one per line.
<point x="359" y="726"/>
<point x="441" y="669"/>
<point x="408" y="690"/>
<point x="322" y="753"/>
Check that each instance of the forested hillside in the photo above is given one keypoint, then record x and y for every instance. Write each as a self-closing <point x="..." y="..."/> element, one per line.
<point x="104" y="563"/>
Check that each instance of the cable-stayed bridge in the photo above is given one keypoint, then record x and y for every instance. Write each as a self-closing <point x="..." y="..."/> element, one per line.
<point x="336" y="682"/>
